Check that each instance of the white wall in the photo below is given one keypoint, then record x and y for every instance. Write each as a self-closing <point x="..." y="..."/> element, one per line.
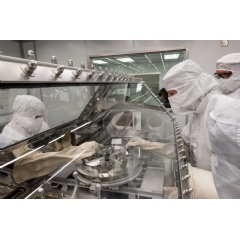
<point x="63" y="50"/>
<point x="204" y="52"/>
<point x="207" y="52"/>
<point x="10" y="48"/>
<point x="27" y="46"/>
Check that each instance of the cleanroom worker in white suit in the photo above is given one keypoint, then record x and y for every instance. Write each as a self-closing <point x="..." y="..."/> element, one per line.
<point x="28" y="119"/>
<point x="228" y="74"/>
<point x="191" y="91"/>
<point x="224" y="132"/>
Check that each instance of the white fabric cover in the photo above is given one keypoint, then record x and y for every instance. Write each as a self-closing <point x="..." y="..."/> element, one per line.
<point x="224" y="133"/>
<point x="24" y="123"/>
<point x="40" y="164"/>
<point x="191" y="84"/>
<point x="202" y="183"/>
<point x="230" y="62"/>
<point x="166" y="149"/>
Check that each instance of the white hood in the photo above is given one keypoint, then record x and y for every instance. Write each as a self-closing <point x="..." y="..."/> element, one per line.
<point x="230" y="62"/>
<point x="191" y="84"/>
<point x="24" y="123"/>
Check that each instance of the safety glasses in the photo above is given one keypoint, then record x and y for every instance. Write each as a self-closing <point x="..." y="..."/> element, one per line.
<point x="223" y="75"/>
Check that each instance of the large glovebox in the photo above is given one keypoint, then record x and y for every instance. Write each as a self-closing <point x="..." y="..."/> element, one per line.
<point x="139" y="153"/>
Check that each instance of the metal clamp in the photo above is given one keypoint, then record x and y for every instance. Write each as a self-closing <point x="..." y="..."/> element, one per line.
<point x="179" y="136"/>
<point x="82" y="65"/>
<point x="54" y="59"/>
<point x="182" y="158"/>
<point x="180" y="145"/>
<point x="187" y="191"/>
<point x="70" y="62"/>
<point x="184" y="166"/>
<point x="58" y="71"/>
<point x="77" y="73"/>
<point x="30" y="55"/>
<point x="31" y="66"/>
<point x="101" y="73"/>
<point x="180" y="141"/>
<point x="186" y="177"/>
<point x="182" y="151"/>
<point x="41" y="193"/>
<point x="90" y="74"/>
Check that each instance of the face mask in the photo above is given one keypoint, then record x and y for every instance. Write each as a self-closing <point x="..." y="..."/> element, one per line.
<point x="230" y="84"/>
<point x="32" y="125"/>
<point x="177" y="105"/>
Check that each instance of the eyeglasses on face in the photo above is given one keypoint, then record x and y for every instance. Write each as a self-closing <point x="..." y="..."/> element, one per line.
<point x="223" y="75"/>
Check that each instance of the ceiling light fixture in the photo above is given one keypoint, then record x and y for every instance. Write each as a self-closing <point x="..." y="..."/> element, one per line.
<point x="171" y="56"/>
<point x="99" y="62"/>
<point x="127" y="59"/>
<point x="121" y="64"/>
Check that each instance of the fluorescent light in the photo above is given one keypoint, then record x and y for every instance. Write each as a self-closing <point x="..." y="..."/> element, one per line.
<point x="171" y="56"/>
<point x="122" y="64"/>
<point x="99" y="62"/>
<point x="125" y="59"/>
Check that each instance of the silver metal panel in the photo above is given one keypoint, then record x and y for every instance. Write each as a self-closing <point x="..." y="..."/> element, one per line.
<point x="11" y="69"/>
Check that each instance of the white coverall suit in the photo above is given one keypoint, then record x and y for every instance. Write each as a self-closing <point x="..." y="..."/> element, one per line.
<point x="197" y="94"/>
<point x="224" y="132"/>
<point x="28" y="119"/>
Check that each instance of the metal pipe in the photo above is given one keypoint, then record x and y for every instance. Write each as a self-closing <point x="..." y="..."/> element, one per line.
<point x="56" y="139"/>
<point x="24" y="155"/>
<point x="80" y="126"/>
<point x="44" y="64"/>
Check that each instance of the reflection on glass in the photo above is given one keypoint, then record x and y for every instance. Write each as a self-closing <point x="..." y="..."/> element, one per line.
<point x="27" y="112"/>
<point x="48" y="107"/>
<point x="27" y="120"/>
<point x="150" y="66"/>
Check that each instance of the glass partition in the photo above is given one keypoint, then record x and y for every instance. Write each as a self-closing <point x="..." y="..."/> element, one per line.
<point x="85" y="134"/>
<point x="63" y="105"/>
<point x="150" y="66"/>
